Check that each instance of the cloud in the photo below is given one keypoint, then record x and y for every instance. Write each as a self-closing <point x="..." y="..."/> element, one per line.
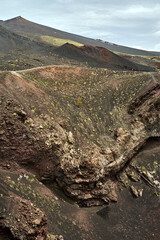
<point x="142" y="11"/>
<point x="137" y="47"/>
<point x="65" y="1"/>
<point x="157" y="47"/>
<point x="157" y="33"/>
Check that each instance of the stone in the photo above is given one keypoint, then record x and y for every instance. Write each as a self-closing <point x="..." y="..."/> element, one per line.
<point x="21" y="113"/>
<point x="52" y="237"/>
<point x="61" y="237"/>
<point x="70" y="138"/>
<point x="37" y="221"/>
<point x="2" y="132"/>
<point x="148" y="175"/>
<point x="134" y="191"/>
<point x="156" y="182"/>
<point x="132" y="175"/>
<point x="140" y="192"/>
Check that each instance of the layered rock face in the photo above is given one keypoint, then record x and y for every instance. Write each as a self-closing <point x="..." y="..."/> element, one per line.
<point x="93" y="179"/>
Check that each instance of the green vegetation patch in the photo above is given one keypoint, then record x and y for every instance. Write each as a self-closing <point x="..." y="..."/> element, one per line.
<point x="59" y="41"/>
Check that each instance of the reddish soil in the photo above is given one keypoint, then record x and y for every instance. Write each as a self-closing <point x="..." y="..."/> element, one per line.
<point x="95" y="56"/>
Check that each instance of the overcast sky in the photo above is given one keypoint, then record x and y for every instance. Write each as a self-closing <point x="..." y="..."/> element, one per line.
<point x="134" y="23"/>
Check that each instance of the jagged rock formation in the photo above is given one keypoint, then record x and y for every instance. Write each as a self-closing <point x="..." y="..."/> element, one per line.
<point x="90" y="180"/>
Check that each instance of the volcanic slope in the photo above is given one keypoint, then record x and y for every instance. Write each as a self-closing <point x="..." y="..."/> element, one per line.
<point x="11" y="41"/>
<point x="18" y="51"/>
<point x="36" y="31"/>
<point x="98" y="57"/>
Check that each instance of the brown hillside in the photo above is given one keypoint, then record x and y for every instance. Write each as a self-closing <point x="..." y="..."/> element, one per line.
<point x="99" y="57"/>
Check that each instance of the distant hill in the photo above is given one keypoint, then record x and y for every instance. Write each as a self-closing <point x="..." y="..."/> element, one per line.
<point x="12" y="41"/>
<point x="26" y="50"/>
<point x="9" y="40"/>
<point x="18" y="52"/>
<point x="34" y="30"/>
<point x="98" y="57"/>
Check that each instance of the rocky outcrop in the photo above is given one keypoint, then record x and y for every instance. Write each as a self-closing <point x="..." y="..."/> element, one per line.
<point x="91" y="179"/>
<point x="27" y="141"/>
<point x="24" y="220"/>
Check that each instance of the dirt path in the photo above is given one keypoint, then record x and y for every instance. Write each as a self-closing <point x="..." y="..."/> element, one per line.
<point x="16" y="73"/>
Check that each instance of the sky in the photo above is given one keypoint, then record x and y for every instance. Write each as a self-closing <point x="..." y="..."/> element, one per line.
<point x="133" y="23"/>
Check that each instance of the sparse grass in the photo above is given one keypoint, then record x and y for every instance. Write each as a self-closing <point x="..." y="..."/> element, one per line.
<point x="91" y="102"/>
<point x="59" y="41"/>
